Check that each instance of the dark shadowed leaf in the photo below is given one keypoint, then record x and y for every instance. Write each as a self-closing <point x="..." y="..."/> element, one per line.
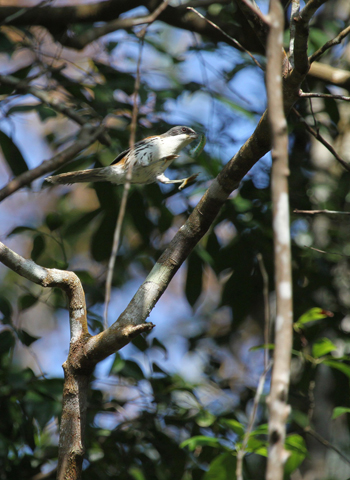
<point x="12" y="155"/>
<point x="38" y="247"/>
<point x="194" y="278"/>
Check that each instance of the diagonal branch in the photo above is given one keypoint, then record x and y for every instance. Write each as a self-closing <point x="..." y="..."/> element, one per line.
<point x="322" y="140"/>
<point x="87" y="136"/>
<point x="331" y="43"/>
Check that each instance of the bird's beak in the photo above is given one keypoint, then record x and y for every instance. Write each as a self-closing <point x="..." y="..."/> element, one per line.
<point x="193" y="135"/>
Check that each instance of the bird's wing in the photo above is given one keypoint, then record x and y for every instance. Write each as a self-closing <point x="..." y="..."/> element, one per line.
<point x="120" y="156"/>
<point x="137" y="144"/>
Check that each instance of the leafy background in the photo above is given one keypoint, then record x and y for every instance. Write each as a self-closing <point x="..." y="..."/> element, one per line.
<point x="173" y="405"/>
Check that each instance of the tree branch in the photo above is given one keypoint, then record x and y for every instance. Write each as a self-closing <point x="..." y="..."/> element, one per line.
<point x="323" y="95"/>
<point x="331" y="43"/>
<point x="315" y="212"/>
<point x="329" y="74"/>
<point x="82" y="358"/>
<point x="277" y="400"/>
<point x="324" y="142"/>
<point x="87" y="136"/>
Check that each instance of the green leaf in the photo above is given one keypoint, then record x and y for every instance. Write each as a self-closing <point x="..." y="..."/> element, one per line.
<point x="158" y="344"/>
<point x="295" y="444"/>
<point x="312" y="315"/>
<point x="201" y="441"/>
<point x="132" y="369"/>
<point x="45" y="112"/>
<point x="233" y="425"/>
<point x="338" y="366"/>
<point x="257" y="446"/>
<point x="5" y="307"/>
<point x="338" y="411"/>
<point x="54" y="220"/>
<point x="12" y="155"/>
<point x="205" y="418"/>
<point x="38" y="247"/>
<point x="322" y="347"/>
<point x="26" y="301"/>
<point x="21" y="109"/>
<point x="140" y="343"/>
<point x="118" y="365"/>
<point x="222" y="467"/>
<point x="22" y="229"/>
<point x="7" y="341"/>
<point x="26" y="338"/>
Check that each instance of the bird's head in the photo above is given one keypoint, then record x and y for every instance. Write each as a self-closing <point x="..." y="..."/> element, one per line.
<point x="185" y="132"/>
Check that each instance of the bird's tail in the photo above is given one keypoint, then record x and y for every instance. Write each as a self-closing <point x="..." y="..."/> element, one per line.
<point x="93" y="175"/>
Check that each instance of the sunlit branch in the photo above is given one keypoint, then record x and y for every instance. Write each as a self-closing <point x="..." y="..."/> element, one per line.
<point x="315" y="212"/>
<point x="277" y="399"/>
<point x="242" y="451"/>
<point x="324" y="95"/>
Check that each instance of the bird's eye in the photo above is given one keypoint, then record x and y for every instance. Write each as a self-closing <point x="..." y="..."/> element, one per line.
<point x="184" y="129"/>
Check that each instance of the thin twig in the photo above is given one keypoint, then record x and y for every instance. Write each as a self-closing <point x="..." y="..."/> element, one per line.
<point x="330" y="44"/>
<point x="327" y="253"/>
<point x="87" y="136"/>
<point x="121" y="214"/>
<point x="314" y="212"/>
<point x="23" y="86"/>
<point x="324" y="142"/>
<point x="228" y="36"/>
<point x="242" y="451"/>
<point x="326" y="443"/>
<point x="265" y="278"/>
<point x="323" y="95"/>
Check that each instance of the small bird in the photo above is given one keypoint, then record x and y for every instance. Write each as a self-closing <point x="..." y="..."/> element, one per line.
<point x="150" y="158"/>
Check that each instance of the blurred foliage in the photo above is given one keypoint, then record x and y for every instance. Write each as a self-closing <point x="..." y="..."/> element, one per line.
<point x="148" y="421"/>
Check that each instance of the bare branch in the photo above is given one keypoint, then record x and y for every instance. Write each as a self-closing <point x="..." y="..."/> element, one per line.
<point x="327" y="253"/>
<point x="329" y="74"/>
<point x="242" y="451"/>
<point x="315" y="212"/>
<point x="73" y="420"/>
<point x="255" y="18"/>
<point x="265" y="278"/>
<point x="87" y="136"/>
<point x="121" y="214"/>
<point x="294" y="12"/>
<point x="237" y="44"/>
<point x="324" y="142"/>
<point x="326" y="443"/>
<point x="323" y="95"/>
<point x="301" y="61"/>
<point x="331" y="43"/>
<point x="277" y="400"/>
<point x="24" y="87"/>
